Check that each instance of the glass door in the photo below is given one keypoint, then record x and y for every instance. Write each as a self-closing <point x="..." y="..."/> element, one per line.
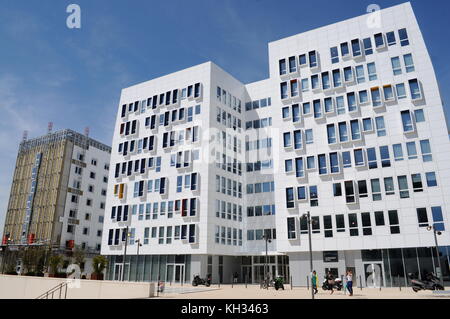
<point x="179" y="273"/>
<point x="374" y="274"/>
<point x="247" y="274"/>
<point x="118" y="271"/>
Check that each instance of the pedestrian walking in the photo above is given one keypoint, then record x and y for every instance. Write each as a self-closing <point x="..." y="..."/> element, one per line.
<point x="330" y="282"/>
<point x="235" y="277"/>
<point x="350" y="282"/>
<point x="314" y="281"/>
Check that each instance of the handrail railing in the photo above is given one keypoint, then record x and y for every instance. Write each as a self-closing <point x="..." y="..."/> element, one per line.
<point x="52" y="291"/>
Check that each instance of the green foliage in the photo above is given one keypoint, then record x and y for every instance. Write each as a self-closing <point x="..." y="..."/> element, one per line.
<point x="79" y="258"/>
<point x="99" y="263"/>
<point x="55" y="262"/>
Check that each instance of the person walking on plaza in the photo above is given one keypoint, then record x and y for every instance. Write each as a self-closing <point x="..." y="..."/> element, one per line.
<point x="350" y="282"/>
<point x="330" y="281"/>
<point x="314" y="281"/>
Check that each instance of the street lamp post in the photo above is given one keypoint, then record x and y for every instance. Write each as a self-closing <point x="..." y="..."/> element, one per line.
<point x="266" y="264"/>
<point x="436" y="232"/>
<point x="138" y="242"/>
<point x="309" y="222"/>
<point x="125" y="252"/>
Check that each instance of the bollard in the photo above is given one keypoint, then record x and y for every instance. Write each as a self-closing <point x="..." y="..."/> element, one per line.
<point x="360" y="282"/>
<point x="344" y="286"/>
<point x="245" y="281"/>
<point x="291" y="282"/>
<point x="307" y="282"/>
<point x="399" y="284"/>
<point x="232" y="281"/>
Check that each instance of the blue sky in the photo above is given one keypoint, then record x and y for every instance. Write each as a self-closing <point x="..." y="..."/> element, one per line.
<point x="74" y="77"/>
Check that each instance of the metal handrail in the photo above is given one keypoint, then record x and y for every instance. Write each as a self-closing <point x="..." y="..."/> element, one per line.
<point x="52" y="291"/>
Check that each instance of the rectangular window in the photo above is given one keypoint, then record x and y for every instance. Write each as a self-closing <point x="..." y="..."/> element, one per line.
<point x="417" y="183"/>
<point x="291" y="229"/>
<point x="407" y="122"/>
<point x="403" y="186"/>
<point x="299" y="169"/>
<point x="389" y="186"/>
<point x="363" y="97"/>
<point x="327" y="226"/>
<point x="431" y="179"/>
<point x="331" y="131"/>
<point x="362" y="189"/>
<point x="309" y="138"/>
<point x="376" y="189"/>
<point x="328" y="102"/>
<point x="356" y="130"/>
<point x="412" y="151"/>
<point x="379" y="218"/>
<point x="340" y="105"/>
<point x="381" y="128"/>
<point x="349" y="192"/>
<point x="310" y="162"/>
<point x="346" y="159"/>
<point x="376" y="97"/>
<point x="334" y="55"/>
<point x="372" y="71"/>
<point x="298" y="144"/>
<point x="426" y="151"/>
<point x="384" y="155"/>
<point x="343" y="132"/>
<point x="290" y="198"/>
<point x="334" y="163"/>
<point x="422" y="217"/>
<point x="356" y="48"/>
<point x="337" y="189"/>
<point x="367" y="42"/>
<point x="419" y="116"/>
<point x="351" y="102"/>
<point x="294" y="88"/>
<point x="415" y="90"/>
<point x="379" y="40"/>
<point x="301" y="193"/>
<point x="340" y="223"/>
<point x="367" y="125"/>
<point x="292" y="64"/>
<point x="393" y="222"/>
<point x="438" y="220"/>
<point x="360" y="77"/>
<point x="322" y="160"/>
<point x="282" y="64"/>
<point x="366" y="224"/>
<point x="317" y="109"/>
<point x="359" y="157"/>
<point x="409" y="63"/>
<point x="288" y="166"/>
<point x="306" y="108"/>
<point x="348" y="74"/>
<point x="287" y="139"/>
<point x="388" y="93"/>
<point x="326" y="81"/>
<point x="390" y="37"/>
<point x="302" y="60"/>
<point x="337" y="82"/>
<point x="315" y="81"/>
<point x="284" y="90"/>
<point x="344" y="49"/>
<point x="403" y="36"/>
<point x="312" y="59"/>
<point x="353" y="224"/>
<point x="398" y="152"/>
<point x="372" y="158"/>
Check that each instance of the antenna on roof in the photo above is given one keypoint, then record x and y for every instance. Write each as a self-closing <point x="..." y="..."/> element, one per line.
<point x="24" y="136"/>
<point x="49" y="127"/>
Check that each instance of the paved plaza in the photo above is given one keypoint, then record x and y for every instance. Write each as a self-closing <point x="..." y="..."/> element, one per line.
<point x="255" y="292"/>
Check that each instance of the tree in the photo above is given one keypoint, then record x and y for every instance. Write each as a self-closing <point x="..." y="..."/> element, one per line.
<point x="79" y="258"/>
<point x="99" y="264"/>
<point x="55" y="262"/>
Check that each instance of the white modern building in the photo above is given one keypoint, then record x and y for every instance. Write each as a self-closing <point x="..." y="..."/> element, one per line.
<point x="349" y="126"/>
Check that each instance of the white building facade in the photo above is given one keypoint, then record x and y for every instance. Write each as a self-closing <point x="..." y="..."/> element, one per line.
<point x="349" y="126"/>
